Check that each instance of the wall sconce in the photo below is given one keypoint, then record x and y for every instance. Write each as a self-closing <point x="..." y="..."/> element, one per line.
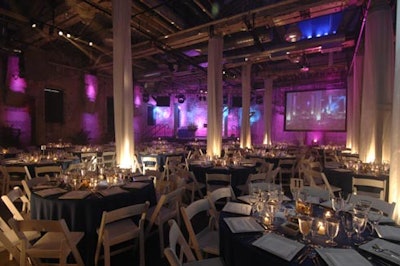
<point x="181" y="98"/>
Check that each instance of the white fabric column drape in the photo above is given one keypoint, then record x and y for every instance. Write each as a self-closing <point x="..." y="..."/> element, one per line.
<point x="245" y="132"/>
<point x="394" y="178"/>
<point x="267" y="111"/>
<point x="214" y="96"/>
<point x="354" y="105"/>
<point x="377" y="84"/>
<point x="122" y="82"/>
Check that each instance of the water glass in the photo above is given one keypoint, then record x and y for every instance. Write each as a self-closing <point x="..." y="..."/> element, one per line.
<point x="305" y="223"/>
<point x="359" y="224"/>
<point x="374" y="216"/>
<point x="332" y="230"/>
<point x="347" y="221"/>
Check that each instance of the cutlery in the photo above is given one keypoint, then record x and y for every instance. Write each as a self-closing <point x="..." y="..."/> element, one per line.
<point x="389" y="252"/>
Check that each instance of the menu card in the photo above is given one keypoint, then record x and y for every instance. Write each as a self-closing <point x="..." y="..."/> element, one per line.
<point x="280" y="246"/>
<point x="388" y="232"/>
<point x="111" y="191"/>
<point x="383" y="249"/>
<point x="243" y="224"/>
<point x="76" y="194"/>
<point x="238" y="208"/>
<point x="137" y="185"/>
<point x="340" y="256"/>
<point x="50" y="191"/>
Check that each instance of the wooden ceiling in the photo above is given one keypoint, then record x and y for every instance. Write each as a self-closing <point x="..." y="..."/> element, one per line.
<point x="169" y="38"/>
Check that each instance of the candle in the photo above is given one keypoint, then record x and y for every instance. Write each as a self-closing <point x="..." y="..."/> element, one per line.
<point x="321" y="228"/>
<point x="328" y="214"/>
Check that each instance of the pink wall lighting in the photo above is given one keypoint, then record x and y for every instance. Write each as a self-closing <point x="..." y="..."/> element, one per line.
<point x="91" y="124"/>
<point x="16" y="83"/>
<point x="91" y="87"/>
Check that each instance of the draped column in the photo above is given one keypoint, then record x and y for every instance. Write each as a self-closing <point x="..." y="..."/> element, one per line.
<point x="267" y="111"/>
<point x="394" y="178"/>
<point x="377" y="84"/>
<point x="354" y="105"/>
<point x="214" y="96"/>
<point x="122" y="82"/>
<point x="245" y="132"/>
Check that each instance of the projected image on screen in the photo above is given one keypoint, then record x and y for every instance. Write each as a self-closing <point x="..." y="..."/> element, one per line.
<point x="316" y="110"/>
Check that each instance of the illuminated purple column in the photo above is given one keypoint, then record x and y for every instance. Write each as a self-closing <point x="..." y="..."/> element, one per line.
<point x="245" y="134"/>
<point x="267" y="111"/>
<point x="90" y="120"/>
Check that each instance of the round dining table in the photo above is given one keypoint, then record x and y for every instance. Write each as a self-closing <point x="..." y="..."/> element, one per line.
<point x="84" y="214"/>
<point x="237" y="249"/>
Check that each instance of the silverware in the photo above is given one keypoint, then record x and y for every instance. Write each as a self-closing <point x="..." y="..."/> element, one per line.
<point x="387" y="251"/>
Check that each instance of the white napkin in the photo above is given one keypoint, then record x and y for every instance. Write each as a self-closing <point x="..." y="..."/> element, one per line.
<point x="238" y="208"/>
<point x="42" y="186"/>
<point x="279" y="246"/>
<point x="50" y="191"/>
<point x="340" y="257"/>
<point x="111" y="191"/>
<point x="393" y="257"/>
<point x="388" y="232"/>
<point x="243" y="224"/>
<point x="76" y="194"/>
<point x="138" y="185"/>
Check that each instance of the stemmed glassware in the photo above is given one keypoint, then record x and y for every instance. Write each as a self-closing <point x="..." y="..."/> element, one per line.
<point x="374" y="216"/>
<point x="332" y="230"/>
<point x="347" y="221"/>
<point x="337" y="204"/>
<point x="359" y="224"/>
<point x="305" y="223"/>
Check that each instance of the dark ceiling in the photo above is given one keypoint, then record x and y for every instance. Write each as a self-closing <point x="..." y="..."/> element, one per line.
<point x="169" y="38"/>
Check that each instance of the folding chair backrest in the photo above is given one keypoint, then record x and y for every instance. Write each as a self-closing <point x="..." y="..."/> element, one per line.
<point x="11" y="197"/>
<point x="29" y="184"/>
<point x="379" y="185"/>
<point x="51" y="171"/>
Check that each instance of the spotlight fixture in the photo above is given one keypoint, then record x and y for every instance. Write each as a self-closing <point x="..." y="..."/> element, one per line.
<point x="146" y="97"/>
<point x="304" y="65"/>
<point x="293" y="33"/>
<point x="181" y="98"/>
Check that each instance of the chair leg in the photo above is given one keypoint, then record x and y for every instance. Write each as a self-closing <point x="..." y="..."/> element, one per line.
<point x="107" y="255"/>
<point x="161" y="233"/>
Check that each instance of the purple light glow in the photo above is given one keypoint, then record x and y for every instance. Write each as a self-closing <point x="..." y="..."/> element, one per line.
<point x="192" y="53"/>
<point x="91" y="87"/>
<point x="137" y="96"/>
<point x="16" y="83"/>
<point x="91" y="124"/>
<point x="19" y="118"/>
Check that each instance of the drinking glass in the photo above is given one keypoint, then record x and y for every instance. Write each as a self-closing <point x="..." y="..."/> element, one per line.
<point x="305" y="223"/>
<point x="337" y="204"/>
<point x="359" y="223"/>
<point x="374" y="216"/>
<point x="347" y="221"/>
<point x="362" y="206"/>
<point x="332" y="230"/>
<point x="315" y="226"/>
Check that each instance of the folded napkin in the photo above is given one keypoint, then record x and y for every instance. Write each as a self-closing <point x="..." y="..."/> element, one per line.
<point x="50" y="191"/>
<point x="137" y="185"/>
<point x="243" y="224"/>
<point x="43" y="186"/>
<point x="111" y="191"/>
<point x="76" y="194"/>
<point x="340" y="257"/>
<point x="388" y="232"/>
<point x="245" y="198"/>
<point x="238" y="208"/>
<point x="280" y="246"/>
<point x="390" y="251"/>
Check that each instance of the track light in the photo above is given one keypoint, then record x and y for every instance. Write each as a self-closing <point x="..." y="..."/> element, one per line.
<point x="293" y="33"/>
<point x="181" y="98"/>
<point x="304" y="65"/>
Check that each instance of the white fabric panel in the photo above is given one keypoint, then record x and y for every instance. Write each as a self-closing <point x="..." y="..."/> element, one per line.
<point x="122" y="81"/>
<point x="245" y="134"/>
<point x="377" y="84"/>
<point x="214" y="96"/>
<point x="267" y="111"/>
<point x="394" y="178"/>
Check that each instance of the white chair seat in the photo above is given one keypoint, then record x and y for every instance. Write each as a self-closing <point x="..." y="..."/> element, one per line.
<point x="51" y="241"/>
<point x="120" y="230"/>
<point x="209" y="241"/>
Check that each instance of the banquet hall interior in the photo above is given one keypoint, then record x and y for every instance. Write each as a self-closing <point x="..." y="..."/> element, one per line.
<point x="134" y="101"/>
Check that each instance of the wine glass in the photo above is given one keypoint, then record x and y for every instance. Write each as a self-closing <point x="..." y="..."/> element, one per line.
<point x="359" y="223"/>
<point x="374" y="216"/>
<point x="315" y="226"/>
<point x="337" y="204"/>
<point x="362" y="206"/>
<point x="305" y="223"/>
<point x="347" y="221"/>
<point x="332" y="230"/>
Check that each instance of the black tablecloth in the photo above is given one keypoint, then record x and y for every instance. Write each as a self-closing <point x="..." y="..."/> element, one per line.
<point x="237" y="249"/>
<point x="239" y="174"/>
<point x="343" y="178"/>
<point x="85" y="214"/>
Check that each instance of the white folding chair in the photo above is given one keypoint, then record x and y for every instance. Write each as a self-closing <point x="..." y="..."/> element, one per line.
<point x="217" y="180"/>
<point x="178" y="253"/>
<point x="370" y="187"/>
<point x="118" y="227"/>
<point x="376" y="203"/>
<point x="149" y="163"/>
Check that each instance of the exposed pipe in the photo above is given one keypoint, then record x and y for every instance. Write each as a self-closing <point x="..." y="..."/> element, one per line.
<point x="359" y="36"/>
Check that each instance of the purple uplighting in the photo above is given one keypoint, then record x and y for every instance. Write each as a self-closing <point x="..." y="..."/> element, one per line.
<point x="91" y="87"/>
<point x="16" y="83"/>
<point x="91" y="124"/>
